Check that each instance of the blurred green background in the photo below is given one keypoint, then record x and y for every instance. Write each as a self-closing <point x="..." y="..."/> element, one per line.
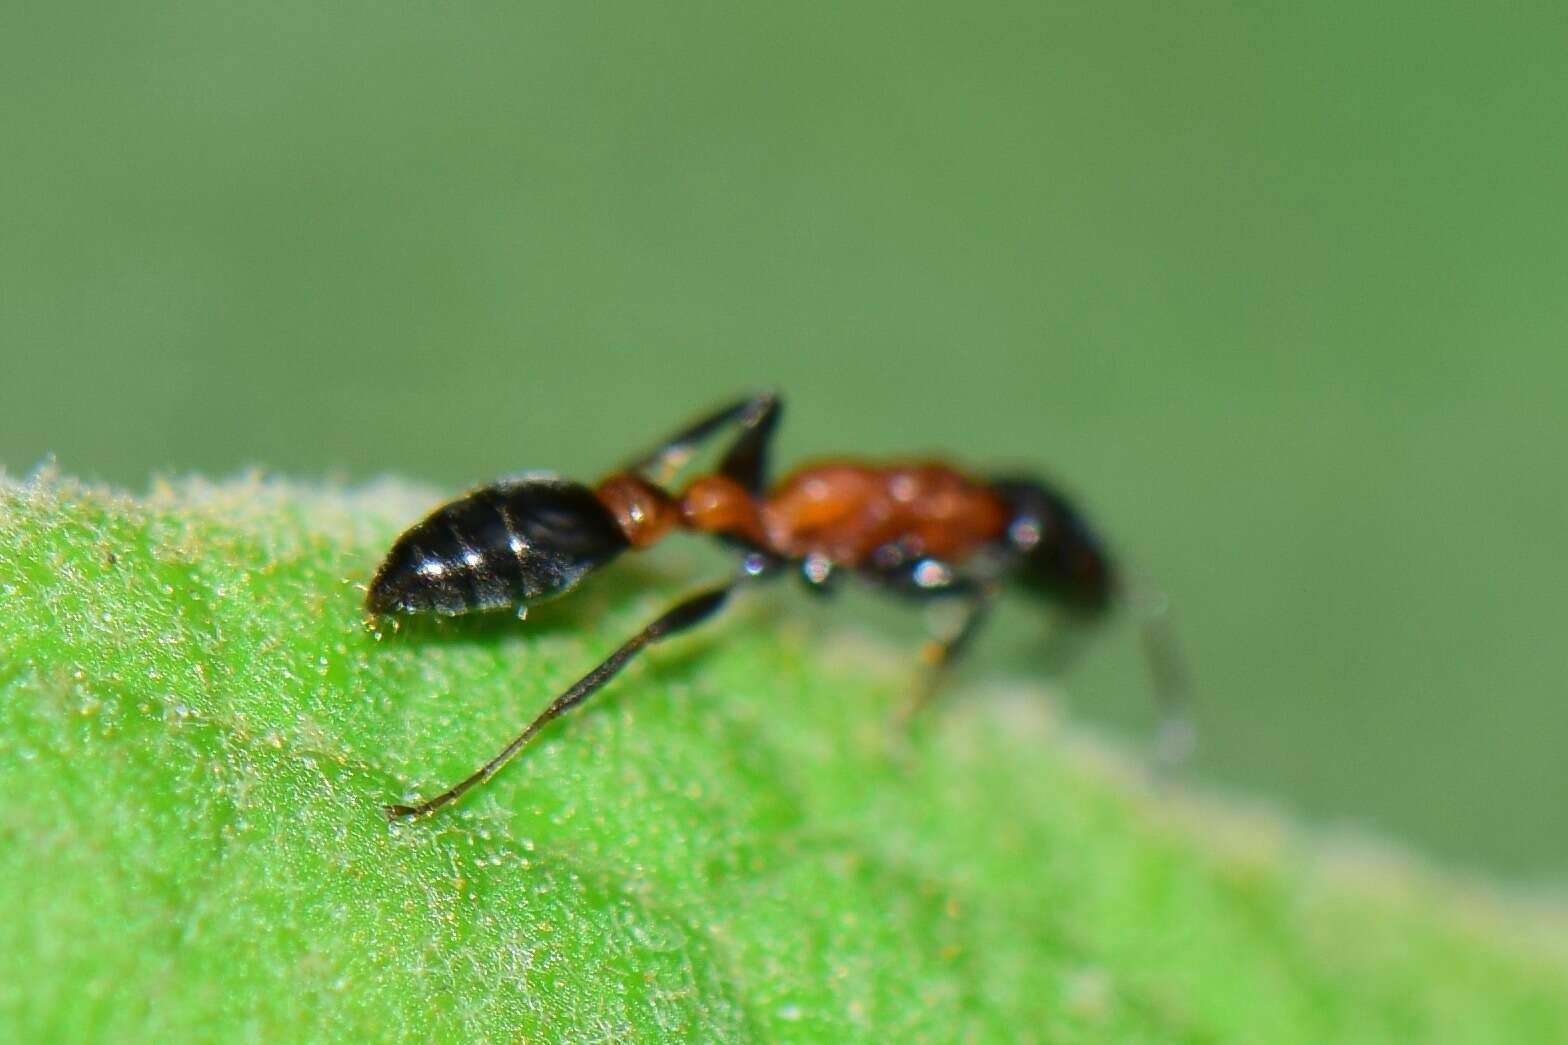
<point x="1278" y="289"/>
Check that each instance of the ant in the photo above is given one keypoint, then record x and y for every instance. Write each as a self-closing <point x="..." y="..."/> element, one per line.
<point x="920" y="529"/>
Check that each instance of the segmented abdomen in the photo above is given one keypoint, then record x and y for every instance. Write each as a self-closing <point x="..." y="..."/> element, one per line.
<point x="502" y="545"/>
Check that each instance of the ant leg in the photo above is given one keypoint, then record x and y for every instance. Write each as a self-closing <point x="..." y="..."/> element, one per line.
<point x="938" y="654"/>
<point x="661" y="463"/>
<point x="746" y="461"/>
<point x="690" y="611"/>
<point x="1168" y="677"/>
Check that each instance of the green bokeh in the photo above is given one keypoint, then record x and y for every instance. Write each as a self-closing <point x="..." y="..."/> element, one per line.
<point x="1278" y="290"/>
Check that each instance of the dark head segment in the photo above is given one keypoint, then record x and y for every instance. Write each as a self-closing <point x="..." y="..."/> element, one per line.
<point x="1059" y="556"/>
<point x="508" y="544"/>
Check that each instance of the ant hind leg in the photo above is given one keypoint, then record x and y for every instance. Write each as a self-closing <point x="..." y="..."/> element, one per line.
<point x="685" y="614"/>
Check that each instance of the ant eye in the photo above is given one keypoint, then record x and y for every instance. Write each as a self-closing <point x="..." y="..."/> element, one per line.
<point x="1025" y="532"/>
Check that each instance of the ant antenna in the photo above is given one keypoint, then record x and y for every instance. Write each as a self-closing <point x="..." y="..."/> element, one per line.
<point x="1169" y="679"/>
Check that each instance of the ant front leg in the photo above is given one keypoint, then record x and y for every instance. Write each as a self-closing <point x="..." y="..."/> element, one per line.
<point x="683" y="615"/>
<point x="756" y="415"/>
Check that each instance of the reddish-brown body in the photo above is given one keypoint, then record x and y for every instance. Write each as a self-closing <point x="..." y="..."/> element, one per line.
<point x="841" y="510"/>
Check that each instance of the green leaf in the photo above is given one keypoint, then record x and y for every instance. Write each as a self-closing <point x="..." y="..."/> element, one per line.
<point x="198" y="730"/>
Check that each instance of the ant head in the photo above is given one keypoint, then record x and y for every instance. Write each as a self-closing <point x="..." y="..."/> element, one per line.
<point x="1058" y="555"/>
<point x="514" y="542"/>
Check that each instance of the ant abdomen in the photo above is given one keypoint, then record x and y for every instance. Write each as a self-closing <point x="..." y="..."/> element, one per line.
<point x="510" y="543"/>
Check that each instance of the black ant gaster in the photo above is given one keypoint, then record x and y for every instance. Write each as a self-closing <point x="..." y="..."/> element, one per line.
<point x="920" y="529"/>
